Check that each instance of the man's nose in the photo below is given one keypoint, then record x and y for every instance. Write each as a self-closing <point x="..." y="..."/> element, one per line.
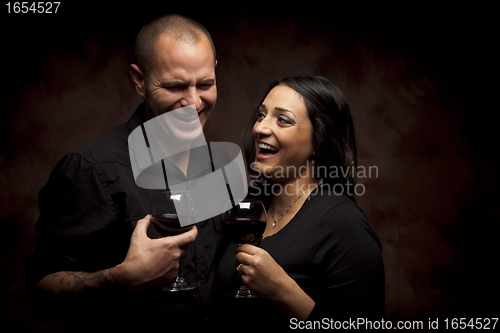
<point x="191" y="96"/>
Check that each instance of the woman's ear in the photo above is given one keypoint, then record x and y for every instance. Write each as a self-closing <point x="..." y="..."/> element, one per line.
<point x="138" y="78"/>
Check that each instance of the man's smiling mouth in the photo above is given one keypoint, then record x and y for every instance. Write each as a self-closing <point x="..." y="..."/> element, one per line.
<point x="187" y="117"/>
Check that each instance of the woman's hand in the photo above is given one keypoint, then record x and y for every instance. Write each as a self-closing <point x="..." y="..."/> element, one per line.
<point x="267" y="279"/>
<point x="262" y="274"/>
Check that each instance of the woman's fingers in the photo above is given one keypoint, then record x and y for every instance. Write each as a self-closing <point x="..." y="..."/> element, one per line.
<point x="249" y="254"/>
<point x="247" y="248"/>
<point x="244" y="258"/>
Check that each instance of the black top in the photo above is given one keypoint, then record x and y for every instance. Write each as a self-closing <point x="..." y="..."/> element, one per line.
<point x="88" y="211"/>
<point x="333" y="254"/>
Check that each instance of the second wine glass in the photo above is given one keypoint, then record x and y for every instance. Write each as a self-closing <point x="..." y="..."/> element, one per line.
<point x="244" y="223"/>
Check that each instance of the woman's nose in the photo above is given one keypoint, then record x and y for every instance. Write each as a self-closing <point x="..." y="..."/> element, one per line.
<point x="262" y="128"/>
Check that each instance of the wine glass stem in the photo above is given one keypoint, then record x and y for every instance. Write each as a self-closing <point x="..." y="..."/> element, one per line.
<point x="180" y="274"/>
<point x="243" y="291"/>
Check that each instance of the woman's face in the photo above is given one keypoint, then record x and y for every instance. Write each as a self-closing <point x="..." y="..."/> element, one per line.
<point x="283" y="136"/>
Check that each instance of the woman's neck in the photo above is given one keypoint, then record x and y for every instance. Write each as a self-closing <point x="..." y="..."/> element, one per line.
<point x="285" y="193"/>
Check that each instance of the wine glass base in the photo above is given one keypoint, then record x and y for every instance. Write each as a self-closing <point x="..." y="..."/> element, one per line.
<point x="241" y="294"/>
<point x="180" y="286"/>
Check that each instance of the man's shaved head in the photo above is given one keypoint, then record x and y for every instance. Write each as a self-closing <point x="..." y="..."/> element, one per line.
<point x="176" y="26"/>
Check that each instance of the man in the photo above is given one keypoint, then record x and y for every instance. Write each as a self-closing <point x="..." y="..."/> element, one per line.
<point x="97" y="263"/>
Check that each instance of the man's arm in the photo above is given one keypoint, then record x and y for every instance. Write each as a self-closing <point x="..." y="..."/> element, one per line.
<point x="149" y="262"/>
<point x="78" y="283"/>
<point x="56" y="293"/>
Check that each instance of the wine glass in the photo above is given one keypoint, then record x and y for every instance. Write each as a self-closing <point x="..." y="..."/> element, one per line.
<point x="244" y="223"/>
<point x="169" y="209"/>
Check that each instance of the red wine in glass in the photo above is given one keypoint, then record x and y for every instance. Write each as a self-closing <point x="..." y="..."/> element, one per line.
<point x="169" y="225"/>
<point x="243" y="230"/>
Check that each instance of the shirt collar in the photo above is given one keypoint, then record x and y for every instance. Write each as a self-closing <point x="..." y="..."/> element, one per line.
<point x="138" y="118"/>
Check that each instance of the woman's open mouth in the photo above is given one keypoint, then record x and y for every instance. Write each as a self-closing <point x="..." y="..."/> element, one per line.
<point x="265" y="151"/>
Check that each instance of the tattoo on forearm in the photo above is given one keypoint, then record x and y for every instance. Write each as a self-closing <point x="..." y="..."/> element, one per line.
<point x="82" y="283"/>
<point x="64" y="294"/>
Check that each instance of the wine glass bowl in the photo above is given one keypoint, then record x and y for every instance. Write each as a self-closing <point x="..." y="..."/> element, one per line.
<point x="244" y="223"/>
<point x="172" y="213"/>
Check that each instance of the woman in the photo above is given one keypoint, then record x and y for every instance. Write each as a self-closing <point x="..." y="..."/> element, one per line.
<point x="319" y="257"/>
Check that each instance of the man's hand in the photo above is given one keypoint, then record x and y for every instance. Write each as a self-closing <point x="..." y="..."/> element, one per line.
<point x="148" y="262"/>
<point x="151" y="262"/>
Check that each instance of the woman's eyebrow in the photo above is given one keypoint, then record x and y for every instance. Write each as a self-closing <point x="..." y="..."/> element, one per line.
<point x="283" y="110"/>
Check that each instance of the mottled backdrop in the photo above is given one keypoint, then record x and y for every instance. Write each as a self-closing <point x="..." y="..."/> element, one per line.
<point x="418" y="81"/>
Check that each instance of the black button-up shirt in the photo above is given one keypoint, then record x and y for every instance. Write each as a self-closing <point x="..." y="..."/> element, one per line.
<point x="88" y="211"/>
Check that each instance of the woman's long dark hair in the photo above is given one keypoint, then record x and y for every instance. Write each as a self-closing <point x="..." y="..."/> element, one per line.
<point x="334" y="142"/>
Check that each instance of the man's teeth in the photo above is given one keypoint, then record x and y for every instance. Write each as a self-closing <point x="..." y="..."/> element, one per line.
<point x="268" y="147"/>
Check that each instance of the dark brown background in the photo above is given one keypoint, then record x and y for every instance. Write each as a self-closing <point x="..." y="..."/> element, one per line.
<point x="418" y="81"/>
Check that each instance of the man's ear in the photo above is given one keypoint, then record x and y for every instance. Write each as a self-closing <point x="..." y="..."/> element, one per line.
<point x="138" y="78"/>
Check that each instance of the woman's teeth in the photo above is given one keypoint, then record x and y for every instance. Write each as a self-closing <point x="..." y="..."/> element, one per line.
<point x="268" y="147"/>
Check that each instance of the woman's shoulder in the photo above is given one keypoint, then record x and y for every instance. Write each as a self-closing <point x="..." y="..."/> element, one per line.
<point x="338" y="214"/>
<point x="324" y="201"/>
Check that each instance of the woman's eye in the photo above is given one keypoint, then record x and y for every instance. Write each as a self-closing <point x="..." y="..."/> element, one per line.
<point x="284" y="120"/>
<point x="260" y="115"/>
